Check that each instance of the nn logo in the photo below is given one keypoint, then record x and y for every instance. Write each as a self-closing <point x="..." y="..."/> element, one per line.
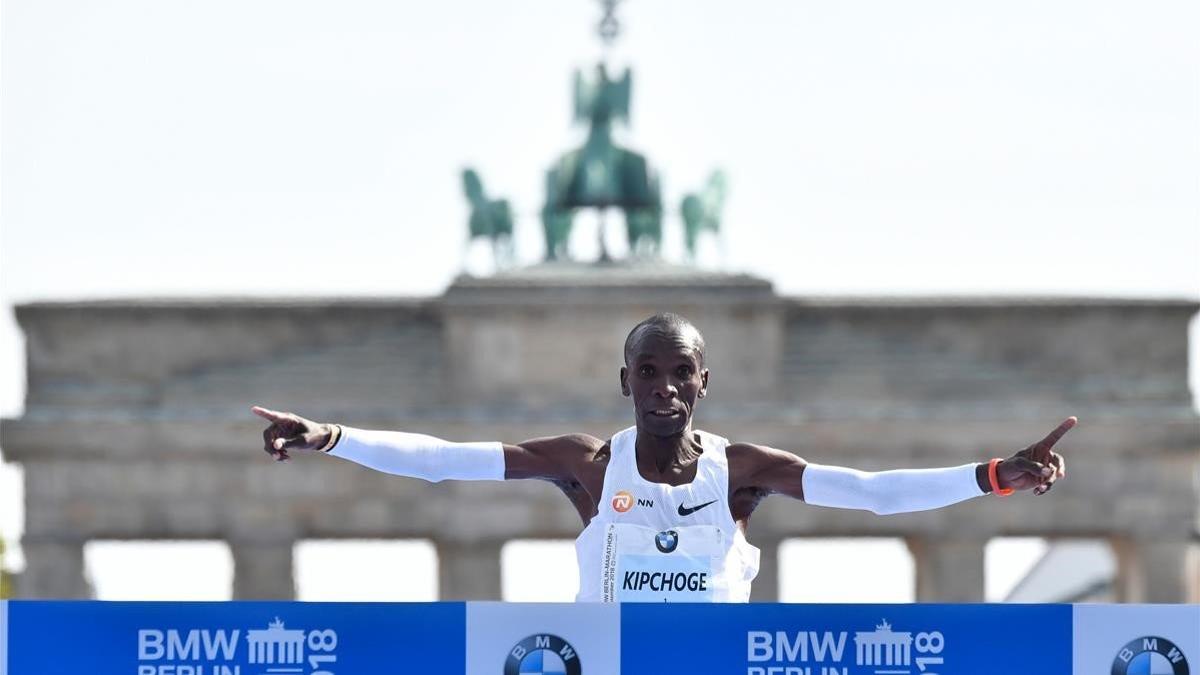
<point x="623" y="501"/>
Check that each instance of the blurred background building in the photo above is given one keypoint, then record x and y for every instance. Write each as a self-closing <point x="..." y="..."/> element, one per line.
<point x="947" y="228"/>
<point x="136" y="428"/>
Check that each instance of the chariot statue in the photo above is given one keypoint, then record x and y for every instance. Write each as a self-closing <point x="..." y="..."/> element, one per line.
<point x="601" y="174"/>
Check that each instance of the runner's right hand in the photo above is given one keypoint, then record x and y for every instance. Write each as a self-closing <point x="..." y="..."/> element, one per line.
<point x="289" y="432"/>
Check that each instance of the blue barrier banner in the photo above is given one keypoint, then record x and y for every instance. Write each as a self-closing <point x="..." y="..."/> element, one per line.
<point x="847" y="639"/>
<point x="493" y="638"/>
<point x="234" y="638"/>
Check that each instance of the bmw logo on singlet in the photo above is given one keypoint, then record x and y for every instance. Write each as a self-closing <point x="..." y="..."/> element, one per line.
<point x="542" y="654"/>
<point x="1150" y="655"/>
<point x="667" y="540"/>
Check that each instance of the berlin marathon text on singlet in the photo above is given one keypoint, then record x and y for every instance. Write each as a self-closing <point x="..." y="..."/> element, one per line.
<point x="635" y="580"/>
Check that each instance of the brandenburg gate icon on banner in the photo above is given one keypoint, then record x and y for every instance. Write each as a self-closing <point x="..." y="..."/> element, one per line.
<point x="883" y="647"/>
<point x="276" y="645"/>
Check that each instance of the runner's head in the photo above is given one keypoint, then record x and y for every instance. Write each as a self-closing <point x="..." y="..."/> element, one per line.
<point x="664" y="373"/>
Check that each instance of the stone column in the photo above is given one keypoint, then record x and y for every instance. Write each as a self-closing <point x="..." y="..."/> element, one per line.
<point x="468" y="571"/>
<point x="262" y="570"/>
<point x="1191" y="572"/>
<point x="1155" y="571"/>
<point x="53" y="569"/>
<point x="948" y="570"/>
<point x="766" y="584"/>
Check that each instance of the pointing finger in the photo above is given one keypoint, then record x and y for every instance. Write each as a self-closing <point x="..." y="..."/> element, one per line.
<point x="1058" y="433"/>
<point x="1041" y="449"/>
<point x="267" y="413"/>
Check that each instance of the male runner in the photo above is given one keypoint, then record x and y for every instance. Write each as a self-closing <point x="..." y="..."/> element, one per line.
<point x="665" y="507"/>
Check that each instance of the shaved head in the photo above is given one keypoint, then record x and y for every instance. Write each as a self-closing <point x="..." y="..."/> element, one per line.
<point x="664" y="325"/>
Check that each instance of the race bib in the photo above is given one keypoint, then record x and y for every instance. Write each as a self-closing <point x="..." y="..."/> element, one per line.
<point x="682" y="564"/>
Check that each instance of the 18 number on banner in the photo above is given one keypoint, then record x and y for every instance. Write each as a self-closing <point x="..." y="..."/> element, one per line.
<point x="321" y="644"/>
<point x="929" y="643"/>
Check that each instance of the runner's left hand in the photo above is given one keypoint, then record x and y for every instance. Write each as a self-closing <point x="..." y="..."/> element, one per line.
<point x="1037" y="466"/>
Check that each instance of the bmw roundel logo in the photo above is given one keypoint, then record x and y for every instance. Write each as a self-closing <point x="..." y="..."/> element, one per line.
<point x="1150" y="656"/>
<point x="542" y="654"/>
<point x="667" y="540"/>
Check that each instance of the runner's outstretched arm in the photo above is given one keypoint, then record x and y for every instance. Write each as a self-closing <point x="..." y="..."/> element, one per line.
<point x="1036" y="467"/>
<point x="426" y="457"/>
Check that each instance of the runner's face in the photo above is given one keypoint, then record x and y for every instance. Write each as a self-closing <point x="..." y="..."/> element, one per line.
<point x="665" y="378"/>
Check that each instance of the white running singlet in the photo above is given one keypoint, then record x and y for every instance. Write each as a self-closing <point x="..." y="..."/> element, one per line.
<point x="652" y="542"/>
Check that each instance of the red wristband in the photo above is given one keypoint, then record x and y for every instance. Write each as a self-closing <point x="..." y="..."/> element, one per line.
<point x="996" y="489"/>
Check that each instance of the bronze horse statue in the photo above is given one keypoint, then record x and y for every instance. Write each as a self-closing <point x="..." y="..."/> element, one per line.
<point x="490" y="218"/>
<point x="702" y="212"/>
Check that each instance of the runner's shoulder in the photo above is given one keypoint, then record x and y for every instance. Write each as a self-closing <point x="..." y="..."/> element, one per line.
<point x="575" y="445"/>
<point x="745" y="452"/>
<point x="584" y="443"/>
<point x="748" y="459"/>
<point x="582" y="451"/>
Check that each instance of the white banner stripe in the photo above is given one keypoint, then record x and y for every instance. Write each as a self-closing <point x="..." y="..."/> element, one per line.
<point x="3" y="637"/>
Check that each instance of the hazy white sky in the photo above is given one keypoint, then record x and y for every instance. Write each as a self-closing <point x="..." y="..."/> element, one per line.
<point x="171" y="147"/>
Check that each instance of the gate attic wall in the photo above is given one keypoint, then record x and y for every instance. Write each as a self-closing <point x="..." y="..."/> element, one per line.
<point x="137" y="422"/>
